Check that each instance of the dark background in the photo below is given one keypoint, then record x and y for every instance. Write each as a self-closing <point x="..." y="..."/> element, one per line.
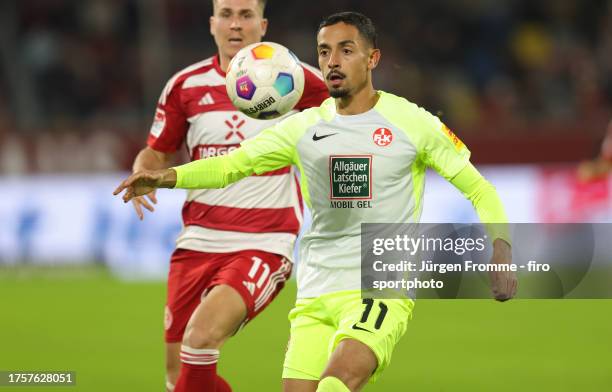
<point x="518" y="81"/>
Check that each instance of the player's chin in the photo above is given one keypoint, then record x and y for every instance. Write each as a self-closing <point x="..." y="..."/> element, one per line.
<point x="231" y="52"/>
<point x="336" y="92"/>
<point x="231" y="49"/>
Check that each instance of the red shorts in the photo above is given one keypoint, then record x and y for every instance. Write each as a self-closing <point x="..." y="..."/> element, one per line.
<point x="257" y="275"/>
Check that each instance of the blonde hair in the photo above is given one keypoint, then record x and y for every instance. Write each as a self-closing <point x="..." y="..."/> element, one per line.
<point x="260" y="3"/>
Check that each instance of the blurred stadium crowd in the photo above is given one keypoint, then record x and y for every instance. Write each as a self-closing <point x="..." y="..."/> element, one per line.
<point x="79" y="79"/>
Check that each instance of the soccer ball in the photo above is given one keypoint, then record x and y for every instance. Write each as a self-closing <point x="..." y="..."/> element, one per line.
<point x="264" y="80"/>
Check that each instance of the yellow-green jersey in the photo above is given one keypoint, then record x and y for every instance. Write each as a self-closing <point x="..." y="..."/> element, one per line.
<point x="364" y="168"/>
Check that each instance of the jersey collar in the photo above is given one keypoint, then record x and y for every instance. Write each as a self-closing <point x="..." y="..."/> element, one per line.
<point x="217" y="65"/>
<point x="381" y="97"/>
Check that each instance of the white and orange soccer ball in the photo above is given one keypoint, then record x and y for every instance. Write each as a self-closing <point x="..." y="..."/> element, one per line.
<point x="265" y="80"/>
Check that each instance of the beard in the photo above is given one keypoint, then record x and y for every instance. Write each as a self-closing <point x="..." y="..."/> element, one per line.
<point x="339" y="93"/>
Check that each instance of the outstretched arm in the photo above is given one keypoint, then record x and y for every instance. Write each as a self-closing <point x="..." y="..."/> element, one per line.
<point x="214" y="172"/>
<point x="272" y="149"/>
<point x="491" y="212"/>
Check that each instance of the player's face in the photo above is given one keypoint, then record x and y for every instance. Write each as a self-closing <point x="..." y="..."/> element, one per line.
<point x="236" y="24"/>
<point x="345" y="59"/>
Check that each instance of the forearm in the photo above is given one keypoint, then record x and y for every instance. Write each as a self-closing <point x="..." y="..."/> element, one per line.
<point x="485" y="200"/>
<point x="502" y="252"/>
<point x="489" y="207"/>
<point x="149" y="159"/>
<point x="214" y="172"/>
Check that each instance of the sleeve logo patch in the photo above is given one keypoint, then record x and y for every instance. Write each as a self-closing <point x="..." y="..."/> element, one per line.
<point x="159" y="123"/>
<point x="453" y="138"/>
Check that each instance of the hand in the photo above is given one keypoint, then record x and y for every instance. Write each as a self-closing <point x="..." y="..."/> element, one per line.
<point x="145" y="182"/>
<point x="593" y="170"/>
<point x="141" y="201"/>
<point x="503" y="283"/>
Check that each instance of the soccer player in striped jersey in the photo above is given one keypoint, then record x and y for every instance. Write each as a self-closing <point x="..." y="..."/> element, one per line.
<point x="362" y="155"/>
<point x="233" y="254"/>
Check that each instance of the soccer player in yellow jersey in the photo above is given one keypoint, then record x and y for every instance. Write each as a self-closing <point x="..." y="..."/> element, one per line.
<point x="339" y="341"/>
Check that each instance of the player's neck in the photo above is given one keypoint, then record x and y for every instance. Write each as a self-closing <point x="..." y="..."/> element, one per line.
<point x="357" y="103"/>
<point x="224" y="62"/>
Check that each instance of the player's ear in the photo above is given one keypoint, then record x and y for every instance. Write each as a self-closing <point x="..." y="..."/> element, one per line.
<point x="211" y="22"/>
<point x="374" y="58"/>
<point x="264" y="26"/>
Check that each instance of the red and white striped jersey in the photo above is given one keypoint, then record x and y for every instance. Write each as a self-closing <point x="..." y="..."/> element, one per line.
<point x="260" y="212"/>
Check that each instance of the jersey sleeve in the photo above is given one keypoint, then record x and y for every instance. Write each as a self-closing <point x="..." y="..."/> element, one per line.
<point x="441" y="149"/>
<point x="315" y="90"/>
<point x="272" y="149"/>
<point x="275" y="147"/>
<point x="170" y="123"/>
<point x="214" y="172"/>
<point x="437" y="146"/>
<point x="485" y="199"/>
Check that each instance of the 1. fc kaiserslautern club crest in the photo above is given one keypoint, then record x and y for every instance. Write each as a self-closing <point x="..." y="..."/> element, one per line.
<point x="382" y="137"/>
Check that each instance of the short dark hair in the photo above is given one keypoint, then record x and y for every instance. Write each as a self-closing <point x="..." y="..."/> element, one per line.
<point x="363" y="24"/>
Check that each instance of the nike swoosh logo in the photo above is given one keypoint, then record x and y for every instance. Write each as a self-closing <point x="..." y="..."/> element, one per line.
<point x="317" y="138"/>
<point x="355" y="326"/>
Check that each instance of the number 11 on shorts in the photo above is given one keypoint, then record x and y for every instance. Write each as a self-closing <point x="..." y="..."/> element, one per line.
<point x="369" y="303"/>
<point x="257" y="262"/>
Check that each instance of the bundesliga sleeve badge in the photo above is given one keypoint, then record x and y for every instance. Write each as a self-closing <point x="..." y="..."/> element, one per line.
<point x="453" y="138"/>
